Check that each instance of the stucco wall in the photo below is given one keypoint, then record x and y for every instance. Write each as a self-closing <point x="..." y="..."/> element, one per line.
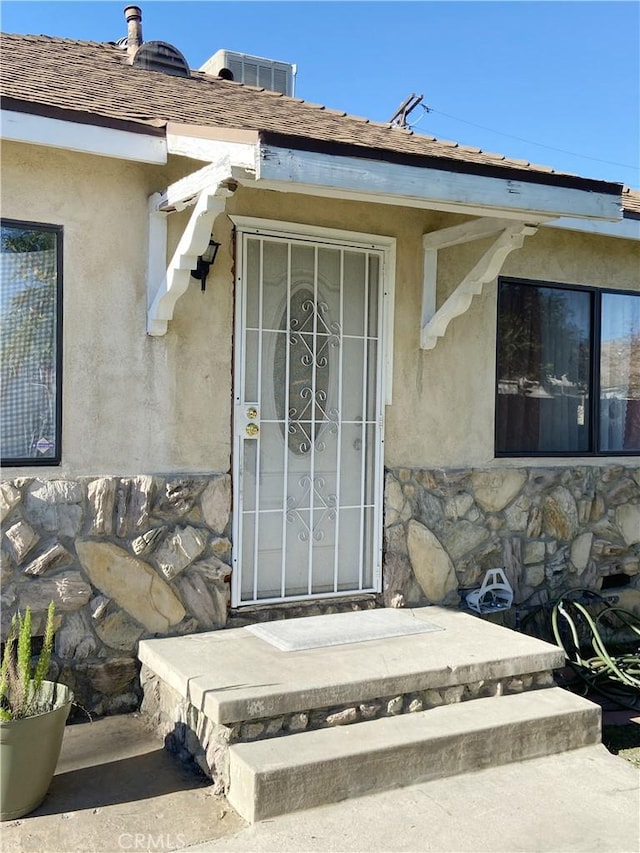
<point x="131" y="403"/>
<point x="135" y="404"/>
<point x="141" y="502"/>
<point x="444" y="398"/>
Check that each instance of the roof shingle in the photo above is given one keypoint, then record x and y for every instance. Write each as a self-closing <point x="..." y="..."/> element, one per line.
<point x="93" y="79"/>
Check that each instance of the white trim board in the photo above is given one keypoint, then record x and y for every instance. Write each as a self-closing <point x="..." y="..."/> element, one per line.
<point x="392" y="183"/>
<point x="626" y="229"/>
<point x="241" y="154"/>
<point x="84" y="138"/>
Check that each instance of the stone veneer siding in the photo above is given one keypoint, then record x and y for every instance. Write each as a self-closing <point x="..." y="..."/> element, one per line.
<point x="550" y="528"/>
<point x="123" y="559"/>
<point x="126" y="558"/>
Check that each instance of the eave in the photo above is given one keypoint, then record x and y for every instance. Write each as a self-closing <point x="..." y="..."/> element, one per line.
<point x="491" y="167"/>
<point x="123" y="141"/>
<point x="334" y="169"/>
<point x="507" y="203"/>
<point x="316" y="173"/>
<point x="627" y="228"/>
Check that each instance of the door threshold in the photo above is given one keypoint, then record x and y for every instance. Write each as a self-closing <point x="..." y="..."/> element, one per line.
<point x="250" y="613"/>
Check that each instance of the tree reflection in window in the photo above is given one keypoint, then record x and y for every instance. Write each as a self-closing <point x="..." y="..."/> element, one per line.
<point x="30" y="329"/>
<point x="544" y="356"/>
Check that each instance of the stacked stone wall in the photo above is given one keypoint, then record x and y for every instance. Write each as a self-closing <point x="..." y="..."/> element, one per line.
<point x="122" y="559"/>
<point x="131" y="558"/>
<point x="550" y="529"/>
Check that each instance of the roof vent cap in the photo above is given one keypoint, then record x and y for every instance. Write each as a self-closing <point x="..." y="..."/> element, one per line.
<point x="160" y="56"/>
<point x="151" y="55"/>
<point x="133" y="17"/>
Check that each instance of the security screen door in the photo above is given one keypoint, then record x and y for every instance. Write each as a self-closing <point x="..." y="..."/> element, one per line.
<point x="308" y="419"/>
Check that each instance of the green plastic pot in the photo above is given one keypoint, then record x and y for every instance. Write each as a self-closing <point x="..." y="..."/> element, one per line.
<point x="29" y="752"/>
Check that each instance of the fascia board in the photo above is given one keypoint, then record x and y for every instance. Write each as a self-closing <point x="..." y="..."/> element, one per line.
<point x="85" y="138"/>
<point x="201" y="143"/>
<point x="392" y="183"/>
<point x="626" y="229"/>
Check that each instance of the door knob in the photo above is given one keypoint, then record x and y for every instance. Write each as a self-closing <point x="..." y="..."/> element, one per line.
<point x="252" y="413"/>
<point x="252" y="430"/>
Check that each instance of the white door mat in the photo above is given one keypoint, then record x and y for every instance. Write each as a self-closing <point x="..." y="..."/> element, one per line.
<point x="336" y="629"/>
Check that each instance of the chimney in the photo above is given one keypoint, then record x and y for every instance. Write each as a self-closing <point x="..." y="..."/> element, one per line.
<point x="133" y="17"/>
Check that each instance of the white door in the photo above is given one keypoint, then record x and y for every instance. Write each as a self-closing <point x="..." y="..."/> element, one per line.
<point x="308" y="419"/>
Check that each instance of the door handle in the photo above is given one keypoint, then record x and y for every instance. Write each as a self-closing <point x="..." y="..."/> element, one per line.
<point x="252" y="430"/>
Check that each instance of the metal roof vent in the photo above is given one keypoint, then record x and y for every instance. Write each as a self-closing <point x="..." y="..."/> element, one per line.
<point x="160" y="56"/>
<point x="151" y="55"/>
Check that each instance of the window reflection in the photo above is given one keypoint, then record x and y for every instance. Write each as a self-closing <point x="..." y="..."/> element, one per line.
<point x="620" y="372"/>
<point x="543" y="369"/>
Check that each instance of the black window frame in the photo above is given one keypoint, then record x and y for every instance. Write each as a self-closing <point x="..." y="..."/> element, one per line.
<point x="56" y="458"/>
<point x="594" y="371"/>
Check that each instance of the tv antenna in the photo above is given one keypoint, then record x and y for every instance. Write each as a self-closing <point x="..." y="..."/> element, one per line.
<point x="399" y="118"/>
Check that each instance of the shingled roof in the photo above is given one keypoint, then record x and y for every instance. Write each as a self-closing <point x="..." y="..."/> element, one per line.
<point x="631" y="202"/>
<point x="92" y="82"/>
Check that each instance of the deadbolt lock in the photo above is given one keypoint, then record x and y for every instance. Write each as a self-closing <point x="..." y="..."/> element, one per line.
<point x="252" y="413"/>
<point x="252" y="430"/>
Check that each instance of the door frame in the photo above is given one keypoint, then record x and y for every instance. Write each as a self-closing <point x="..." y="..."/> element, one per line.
<point x="246" y="225"/>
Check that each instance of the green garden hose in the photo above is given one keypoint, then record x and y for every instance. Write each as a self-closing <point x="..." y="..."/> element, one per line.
<point x="612" y="671"/>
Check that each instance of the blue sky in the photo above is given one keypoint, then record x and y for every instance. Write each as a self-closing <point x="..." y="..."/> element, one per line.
<point x="499" y="75"/>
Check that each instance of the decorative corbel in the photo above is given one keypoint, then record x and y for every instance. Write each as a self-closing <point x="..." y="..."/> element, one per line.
<point x="209" y="202"/>
<point x="512" y="236"/>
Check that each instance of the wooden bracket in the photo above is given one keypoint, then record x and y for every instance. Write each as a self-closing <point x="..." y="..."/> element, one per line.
<point x="207" y="190"/>
<point x="511" y="236"/>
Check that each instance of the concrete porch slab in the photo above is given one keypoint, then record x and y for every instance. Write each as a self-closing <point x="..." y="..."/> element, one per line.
<point x="233" y="675"/>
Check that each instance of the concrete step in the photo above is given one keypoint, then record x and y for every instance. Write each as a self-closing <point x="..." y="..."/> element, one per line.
<point x="281" y="775"/>
<point x="234" y="675"/>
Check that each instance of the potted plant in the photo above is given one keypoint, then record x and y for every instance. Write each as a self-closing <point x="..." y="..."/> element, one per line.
<point x="33" y="714"/>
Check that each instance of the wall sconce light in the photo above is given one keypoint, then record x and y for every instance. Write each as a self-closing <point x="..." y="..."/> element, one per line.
<point x="205" y="261"/>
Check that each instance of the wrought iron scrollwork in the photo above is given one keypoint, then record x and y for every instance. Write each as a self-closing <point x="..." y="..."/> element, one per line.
<point x="311" y="337"/>
<point x="313" y="492"/>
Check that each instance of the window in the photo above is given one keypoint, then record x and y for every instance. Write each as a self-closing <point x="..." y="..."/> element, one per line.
<point x="568" y="370"/>
<point x="30" y="342"/>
